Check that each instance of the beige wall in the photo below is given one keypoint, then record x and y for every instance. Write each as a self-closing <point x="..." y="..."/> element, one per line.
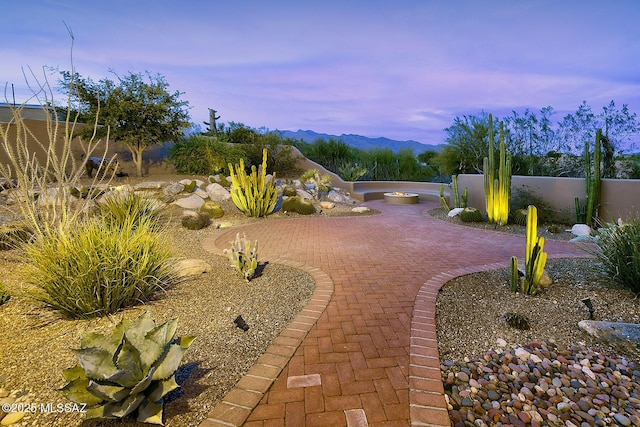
<point x="619" y="198"/>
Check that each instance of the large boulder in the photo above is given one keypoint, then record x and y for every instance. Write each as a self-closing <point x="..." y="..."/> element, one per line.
<point x="217" y="192"/>
<point x="173" y="189"/>
<point x="191" y="202"/>
<point x="191" y="267"/>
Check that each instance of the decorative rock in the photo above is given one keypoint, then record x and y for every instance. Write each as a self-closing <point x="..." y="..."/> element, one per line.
<point x="173" y="189"/>
<point x="501" y="343"/>
<point x="12" y="418"/>
<point x="334" y="196"/>
<point x="217" y="192"/>
<point x="612" y="332"/>
<point x="327" y="205"/>
<point x="304" y="194"/>
<point x="545" y="280"/>
<point x="200" y="192"/>
<point x="455" y="211"/>
<point x="622" y="420"/>
<point x="360" y="209"/>
<point x="149" y="185"/>
<point x="581" y="230"/>
<point x="190" y="202"/>
<point x="191" y="267"/>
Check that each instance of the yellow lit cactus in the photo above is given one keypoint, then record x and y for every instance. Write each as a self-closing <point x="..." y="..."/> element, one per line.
<point x="253" y="194"/>
<point x="535" y="257"/>
<point x="497" y="190"/>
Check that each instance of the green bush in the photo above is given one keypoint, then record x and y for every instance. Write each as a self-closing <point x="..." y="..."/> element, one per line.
<point x="619" y="254"/>
<point x="98" y="266"/>
<point x="203" y="155"/>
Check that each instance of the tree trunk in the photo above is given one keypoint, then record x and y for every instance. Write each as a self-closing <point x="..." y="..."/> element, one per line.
<point x="136" y="155"/>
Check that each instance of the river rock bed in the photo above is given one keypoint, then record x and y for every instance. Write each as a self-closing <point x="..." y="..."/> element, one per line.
<point x="540" y="385"/>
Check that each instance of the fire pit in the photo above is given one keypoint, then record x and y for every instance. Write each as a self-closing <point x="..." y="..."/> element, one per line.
<point x="401" y="198"/>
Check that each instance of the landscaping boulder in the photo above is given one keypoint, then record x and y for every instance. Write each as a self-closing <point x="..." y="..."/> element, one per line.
<point x="191" y="267"/>
<point x="191" y="202"/>
<point x="217" y="192"/>
<point x="173" y="189"/>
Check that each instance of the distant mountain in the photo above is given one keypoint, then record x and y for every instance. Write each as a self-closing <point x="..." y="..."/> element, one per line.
<point x="363" y="142"/>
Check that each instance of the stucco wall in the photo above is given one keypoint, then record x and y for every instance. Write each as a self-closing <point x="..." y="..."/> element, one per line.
<point x="619" y="198"/>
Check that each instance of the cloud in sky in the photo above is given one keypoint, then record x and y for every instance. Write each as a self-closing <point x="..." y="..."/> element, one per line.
<point x="403" y="70"/>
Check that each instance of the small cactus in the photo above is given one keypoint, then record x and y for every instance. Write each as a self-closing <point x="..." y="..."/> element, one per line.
<point x="212" y="208"/>
<point x="470" y="215"/>
<point x="305" y="207"/>
<point x="520" y="217"/>
<point x="517" y="321"/>
<point x="289" y="191"/>
<point x="289" y="204"/>
<point x="190" y="187"/>
<point x="197" y="222"/>
<point x="130" y="370"/>
<point x="243" y="256"/>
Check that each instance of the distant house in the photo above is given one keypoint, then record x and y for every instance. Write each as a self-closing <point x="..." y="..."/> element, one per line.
<point x="27" y="111"/>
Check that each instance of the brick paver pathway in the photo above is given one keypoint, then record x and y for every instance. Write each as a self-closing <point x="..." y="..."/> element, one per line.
<point x="364" y="350"/>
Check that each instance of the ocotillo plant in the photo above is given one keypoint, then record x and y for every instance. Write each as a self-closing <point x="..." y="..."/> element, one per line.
<point x="497" y="191"/>
<point x="535" y="257"/>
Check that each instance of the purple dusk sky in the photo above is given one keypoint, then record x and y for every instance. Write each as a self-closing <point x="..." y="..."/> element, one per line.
<point x="401" y="69"/>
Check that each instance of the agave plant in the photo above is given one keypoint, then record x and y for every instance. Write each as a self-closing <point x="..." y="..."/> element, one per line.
<point x="131" y="369"/>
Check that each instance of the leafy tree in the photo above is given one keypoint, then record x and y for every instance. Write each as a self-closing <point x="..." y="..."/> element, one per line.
<point x="137" y="110"/>
<point x="467" y="141"/>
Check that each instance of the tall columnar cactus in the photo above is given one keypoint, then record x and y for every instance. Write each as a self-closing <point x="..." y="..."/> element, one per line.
<point x="497" y="190"/>
<point x="253" y="194"/>
<point x="443" y="199"/>
<point x="535" y="257"/>
<point x="592" y="183"/>
<point x="131" y="369"/>
<point x="458" y="201"/>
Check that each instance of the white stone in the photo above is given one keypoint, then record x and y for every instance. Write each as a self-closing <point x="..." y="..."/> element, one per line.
<point x="173" y="189"/>
<point x="217" y="192"/>
<point x="191" y="267"/>
<point x="149" y="185"/>
<point x="202" y="193"/>
<point x="581" y="230"/>
<point x="501" y="343"/>
<point x="455" y="211"/>
<point x="304" y="194"/>
<point x="521" y="353"/>
<point x="360" y="209"/>
<point x="191" y="202"/>
<point x="327" y="205"/>
<point x="334" y="196"/>
<point x="189" y="212"/>
<point x="199" y="182"/>
<point x="186" y="181"/>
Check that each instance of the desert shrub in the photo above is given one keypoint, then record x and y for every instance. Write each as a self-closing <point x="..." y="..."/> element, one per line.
<point x="196" y="222"/>
<point x="203" y="155"/>
<point x="97" y="266"/>
<point x="523" y="197"/>
<point x="618" y="254"/>
<point x="4" y="294"/>
<point x="123" y="207"/>
<point x="12" y="235"/>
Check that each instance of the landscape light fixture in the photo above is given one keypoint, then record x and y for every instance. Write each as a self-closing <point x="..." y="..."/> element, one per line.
<point x="587" y="302"/>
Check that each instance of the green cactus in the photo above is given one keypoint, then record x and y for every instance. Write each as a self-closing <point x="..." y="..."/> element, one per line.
<point x="465" y="197"/>
<point x="304" y="206"/>
<point x="196" y="222"/>
<point x="289" y="204"/>
<point x="321" y="184"/>
<point x="253" y="194"/>
<point x="581" y="211"/>
<point x="443" y="200"/>
<point x="515" y="274"/>
<point x="593" y="183"/>
<point x="456" y="195"/>
<point x="212" y="208"/>
<point x="243" y="257"/>
<point x="520" y="217"/>
<point x="535" y="257"/>
<point x="497" y="191"/>
<point x="131" y="369"/>
<point x="470" y="215"/>
<point x="289" y="191"/>
<point x="190" y="187"/>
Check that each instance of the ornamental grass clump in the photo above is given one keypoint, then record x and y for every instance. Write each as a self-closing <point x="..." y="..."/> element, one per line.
<point x="98" y="266"/>
<point x="618" y="253"/>
<point x="130" y="370"/>
<point x="122" y="206"/>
